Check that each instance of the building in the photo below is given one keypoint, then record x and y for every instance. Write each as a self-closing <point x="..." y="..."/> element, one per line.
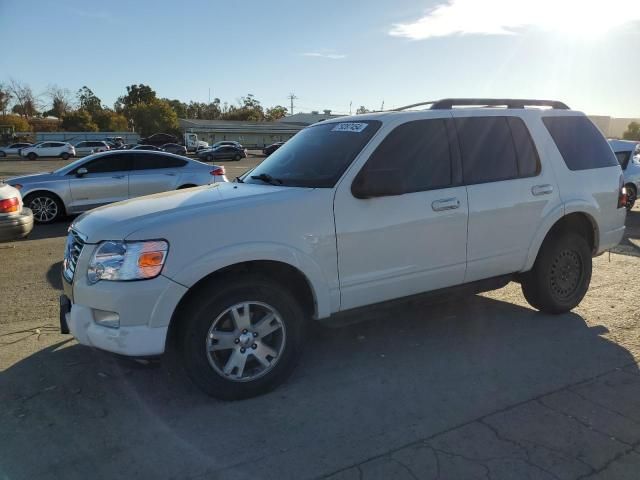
<point x="252" y="134"/>
<point x="612" y="127"/>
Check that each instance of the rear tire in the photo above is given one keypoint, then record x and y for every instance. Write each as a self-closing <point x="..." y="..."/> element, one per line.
<point x="32" y="156"/>
<point x="561" y="274"/>
<point x="65" y="156"/>
<point x="632" y="196"/>
<point x="227" y="351"/>
<point x="237" y="158"/>
<point x="209" y="158"/>
<point x="46" y="207"/>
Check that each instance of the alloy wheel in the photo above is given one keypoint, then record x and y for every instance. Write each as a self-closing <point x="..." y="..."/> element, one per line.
<point x="245" y="341"/>
<point x="44" y="209"/>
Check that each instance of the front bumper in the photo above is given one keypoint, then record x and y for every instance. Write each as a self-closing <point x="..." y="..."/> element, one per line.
<point x="17" y="226"/>
<point x="143" y="308"/>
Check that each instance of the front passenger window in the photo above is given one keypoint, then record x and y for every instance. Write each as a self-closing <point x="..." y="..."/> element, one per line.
<point x="107" y="164"/>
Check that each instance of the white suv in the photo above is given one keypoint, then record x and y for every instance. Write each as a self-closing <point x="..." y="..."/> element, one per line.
<point x="49" y="149"/>
<point x="349" y="213"/>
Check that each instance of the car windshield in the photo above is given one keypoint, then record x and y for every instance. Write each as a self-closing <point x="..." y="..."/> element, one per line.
<point x="316" y="156"/>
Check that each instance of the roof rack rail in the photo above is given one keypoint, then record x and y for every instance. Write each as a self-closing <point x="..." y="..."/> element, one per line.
<point x="449" y="103"/>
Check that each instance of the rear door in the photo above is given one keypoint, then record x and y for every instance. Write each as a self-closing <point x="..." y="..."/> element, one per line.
<point x="107" y="181"/>
<point x="510" y="191"/>
<point x="153" y="173"/>
<point x="415" y="239"/>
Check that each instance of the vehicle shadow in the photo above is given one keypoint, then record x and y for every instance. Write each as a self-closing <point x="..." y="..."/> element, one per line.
<point x="73" y="412"/>
<point x="54" y="275"/>
<point x="630" y="244"/>
<point x="53" y="230"/>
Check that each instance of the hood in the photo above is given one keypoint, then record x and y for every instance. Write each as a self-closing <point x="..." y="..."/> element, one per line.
<point x="33" y="178"/>
<point x="120" y="220"/>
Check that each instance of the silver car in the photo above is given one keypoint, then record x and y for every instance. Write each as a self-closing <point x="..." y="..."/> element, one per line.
<point x="109" y="177"/>
<point x="628" y="154"/>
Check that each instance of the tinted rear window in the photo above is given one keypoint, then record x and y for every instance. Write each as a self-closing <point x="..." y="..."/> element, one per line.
<point x="152" y="161"/>
<point x="580" y="143"/>
<point x="318" y="155"/>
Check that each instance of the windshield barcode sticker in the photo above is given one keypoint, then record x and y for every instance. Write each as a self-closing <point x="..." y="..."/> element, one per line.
<point x="355" y="127"/>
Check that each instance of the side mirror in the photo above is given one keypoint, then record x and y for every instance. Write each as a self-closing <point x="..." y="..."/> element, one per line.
<point x="378" y="183"/>
<point x="81" y="172"/>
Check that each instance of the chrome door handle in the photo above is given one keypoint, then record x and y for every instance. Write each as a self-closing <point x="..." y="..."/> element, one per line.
<point x="445" y="204"/>
<point x="542" y="189"/>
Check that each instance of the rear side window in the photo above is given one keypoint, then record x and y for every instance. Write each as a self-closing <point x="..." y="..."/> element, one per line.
<point x="528" y="159"/>
<point x="106" y="164"/>
<point x="153" y="161"/>
<point x="420" y="151"/>
<point x="580" y="143"/>
<point x="488" y="153"/>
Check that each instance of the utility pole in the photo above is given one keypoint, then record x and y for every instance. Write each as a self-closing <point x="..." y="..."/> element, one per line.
<point x="382" y="107"/>
<point x="209" y="94"/>
<point x="292" y="97"/>
<point x="350" y="104"/>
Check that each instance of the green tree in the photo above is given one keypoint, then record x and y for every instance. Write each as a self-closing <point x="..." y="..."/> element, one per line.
<point x="275" y="113"/>
<point x="5" y="98"/>
<point x="79" y="121"/>
<point x="136" y="94"/>
<point x="361" y="109"/>
<point x="154" y="117"/>
<point x="88" y="101"/>
<point x="19" y="123"/>
<point x="110" y="121"/>
<point x="249" y="109"/>
<point x="179" y="107"/>
<point x="632" y="132"/>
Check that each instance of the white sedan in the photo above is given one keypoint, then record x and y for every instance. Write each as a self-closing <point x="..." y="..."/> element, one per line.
<point x="16" y="221"/>
<point x="63" y="150"/>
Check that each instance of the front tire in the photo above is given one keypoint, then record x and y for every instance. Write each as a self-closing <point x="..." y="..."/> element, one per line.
<point x="46" y="207"/>
<point x="209" y="158"/>
<point x="32" y="156"/>
<point x="241" y="339"/>
<point x="561" y="274"/>
<point x="65" y="156"/>
<point x="237" y="158"/>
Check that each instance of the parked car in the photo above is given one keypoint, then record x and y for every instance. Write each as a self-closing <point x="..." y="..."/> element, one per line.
<point x="348" y="214"/>
<point x="272" y="148"/>
<point x="91" y="146"/>
<point x="152" y="148"/>
<point x="174" y="148"/>
<point x="117" y="142"/>
<point x="13" y="149"/>
<point x="158" y="139"/>
<point x="63" y="150"/>
<point x="225" y="152"/>
<point x="109" y="177"/>
<point x="628" y="155"/>
<point x="16" y="221"/>
<point x="231" y="143"/>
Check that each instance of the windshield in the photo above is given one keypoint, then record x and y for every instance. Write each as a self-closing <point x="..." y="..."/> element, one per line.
<point x="316" y="156"/>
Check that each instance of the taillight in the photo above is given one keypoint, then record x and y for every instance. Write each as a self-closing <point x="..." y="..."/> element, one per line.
<point x="218" y="171"/>
<point x="622" y="195"/>
<point x="9" y="205"/>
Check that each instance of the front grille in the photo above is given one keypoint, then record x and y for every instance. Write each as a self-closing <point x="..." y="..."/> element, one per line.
<point x="72" y="251"/>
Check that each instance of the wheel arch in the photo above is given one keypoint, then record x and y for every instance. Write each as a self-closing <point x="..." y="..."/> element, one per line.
<point x="280" y="272"/>
<point x="577" y="221"/>
<point x="48" y="192"/>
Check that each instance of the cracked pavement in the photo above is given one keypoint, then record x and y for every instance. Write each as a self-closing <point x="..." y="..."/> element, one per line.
<point x="481" y="387"/>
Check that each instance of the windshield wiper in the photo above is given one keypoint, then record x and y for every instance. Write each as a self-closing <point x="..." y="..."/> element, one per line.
<point x="265" y="177"/>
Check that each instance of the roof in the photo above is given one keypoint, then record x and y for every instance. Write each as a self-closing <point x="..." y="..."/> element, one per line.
<point x="306" y="118"/>
<point x="232" y="126"/>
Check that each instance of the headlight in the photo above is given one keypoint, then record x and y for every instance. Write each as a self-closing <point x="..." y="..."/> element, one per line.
<point x="127" y="260"/>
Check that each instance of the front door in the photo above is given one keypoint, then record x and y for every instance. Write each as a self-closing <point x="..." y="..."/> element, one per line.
<point x="106" y="181"/>
<point x="411" y="238"/>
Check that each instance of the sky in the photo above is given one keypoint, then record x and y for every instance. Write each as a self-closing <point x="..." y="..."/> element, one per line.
<point x="333" y="53"/>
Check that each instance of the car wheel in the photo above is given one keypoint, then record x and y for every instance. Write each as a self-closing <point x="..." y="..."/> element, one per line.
<point x="241" y="339"/>
<point x="64" y="156"/>
<point x="632" y="196"/>
<point x="46" y="208"/>
<point x="237" y="158"/>
<point x="32" y="156"/>
<point x="561" y="274"/>
<point x="209" y="158"/>
<point x="2" y="154"/>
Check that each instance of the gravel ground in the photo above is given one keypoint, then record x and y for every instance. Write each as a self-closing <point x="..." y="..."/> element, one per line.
<point x="479" y="388"/>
